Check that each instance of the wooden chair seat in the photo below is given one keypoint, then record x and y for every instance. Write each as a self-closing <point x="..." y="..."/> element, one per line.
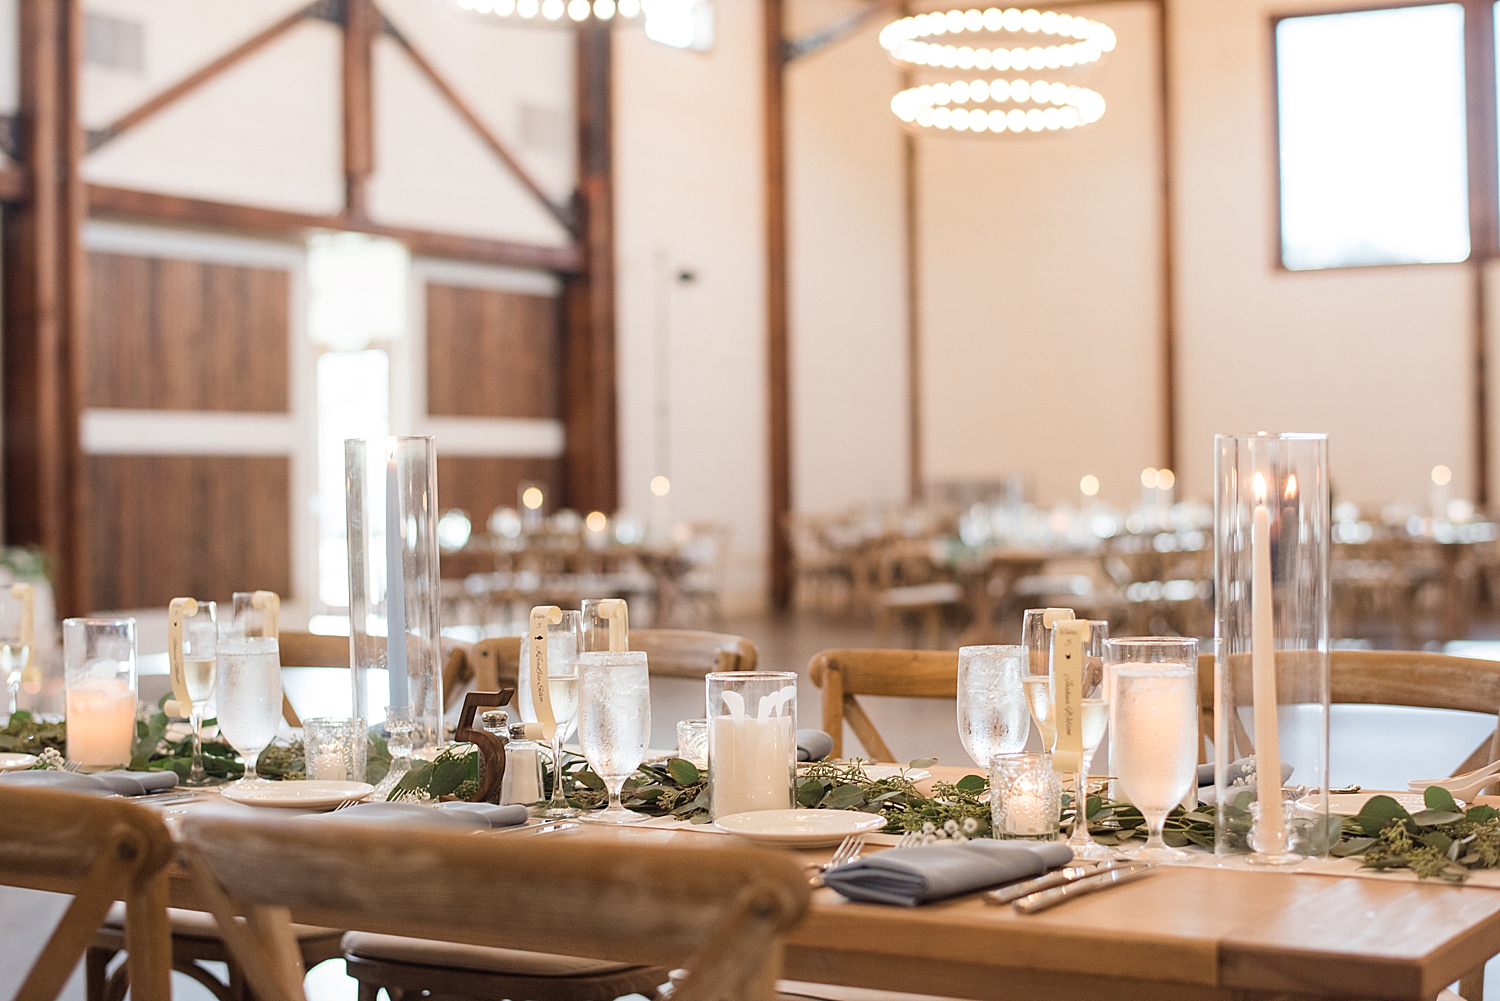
<point x="195" y="941"/>
<point x="455" y="970"/>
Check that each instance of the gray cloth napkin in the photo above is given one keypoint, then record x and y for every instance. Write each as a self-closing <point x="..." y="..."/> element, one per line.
<point x="924" y="873"/>
<point x="450" y="816"/>
<point x="118" y="783"/>
<point x="813" y="745"/>
<point x="1237" y="771"/>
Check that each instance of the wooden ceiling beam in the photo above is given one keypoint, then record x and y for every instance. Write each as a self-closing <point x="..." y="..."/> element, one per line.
<point x="359" y="109"/>
<point x="558" y="212"/>
<point x="197" y="79"/>
<point x="153" y="207"/>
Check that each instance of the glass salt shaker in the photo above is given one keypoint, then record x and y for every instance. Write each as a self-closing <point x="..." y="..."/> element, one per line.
<point x="522" y="782"/>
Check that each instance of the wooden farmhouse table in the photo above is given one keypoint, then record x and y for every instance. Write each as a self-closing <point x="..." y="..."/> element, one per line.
<point x="1189" y="932"/>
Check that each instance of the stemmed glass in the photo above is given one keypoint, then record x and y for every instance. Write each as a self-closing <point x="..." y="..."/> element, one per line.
<point x="1036" y="637"/>
<point x="562" y="689"/>
<point x="16" y="615"/>
<point x="256" y="613"/>
<point x="1153" y="710"/>
<point x="1094" y="710"/>
<point x="193" y="635"/>
<point x="249" y="693"/>
<point x="992" y="713"/>
<point x="614" y="722"/>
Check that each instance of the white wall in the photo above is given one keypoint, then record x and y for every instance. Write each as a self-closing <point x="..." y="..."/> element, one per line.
<point x="690" y="195"/>
<point x="1374" y="356"/>
<point x="847" y="287"/>
<point x="1041" y="276"/>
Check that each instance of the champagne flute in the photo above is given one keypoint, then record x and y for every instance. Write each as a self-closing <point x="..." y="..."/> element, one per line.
<point x="1094" y="720"/>
<point x="249" y="694"/>
<point x="562" y="689"/>
<point x="614" y="722"/>
<point x="193" y="652"/>
<point x="1153" y="710"/>
<point x="1036" y="637"/>
<point x="16" y="616"/>
<point x="992" y="711"/>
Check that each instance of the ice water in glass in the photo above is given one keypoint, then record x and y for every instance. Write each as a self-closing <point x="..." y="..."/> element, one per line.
<point x="1154" y="713"/>
<point x="249" y="694"/>
<point x="614" y="722"/>
<point x="993" y="716"/>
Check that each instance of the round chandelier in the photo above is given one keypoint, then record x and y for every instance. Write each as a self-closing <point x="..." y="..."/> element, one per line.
<point x="554" y="11"/>
<point x="998" y="106"/>
<point x="1011" y="40"/>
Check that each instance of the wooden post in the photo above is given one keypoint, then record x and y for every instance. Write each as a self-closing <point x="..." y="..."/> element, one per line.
<point x="591" y="457"/>
<point x="778" y="362"/>
<point x="1479" y="62"/>
<point x="39" y="436"/>
<point x="359" y="115"/>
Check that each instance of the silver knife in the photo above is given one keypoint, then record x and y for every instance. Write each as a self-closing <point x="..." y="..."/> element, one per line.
<point x="539" y="829"/>
<point x="1057" y="877"/>
<point x="1125" y="873"/>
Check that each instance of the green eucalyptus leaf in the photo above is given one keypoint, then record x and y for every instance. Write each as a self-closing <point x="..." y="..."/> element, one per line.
<point x="972" y="783"/>
<point x="921" y="762"/>
<point x="810" y="793"/>
<point x="1432" y="818"/>
<point x="1380" y="812"/>
<point x="683" y="771"/>
<point x="1438" y="798"/>
<point x="843" y="798"/>
<point x="1479" y="814"/>
<point x="1354" y="846"/>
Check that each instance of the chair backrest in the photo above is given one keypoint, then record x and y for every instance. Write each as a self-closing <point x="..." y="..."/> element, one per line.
<point x="1382" y="677"/>
<point x="316" y="650"/>
<point x="670" y="653"/>
<point x="843" y="674"/>
<point x="99" y="850"/>
<point x="718" y="909"/>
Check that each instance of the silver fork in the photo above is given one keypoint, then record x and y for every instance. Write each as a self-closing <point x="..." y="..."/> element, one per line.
<point x="72" y="766"/>
<point x="345" y="804"/>
<point x="910" y="838"/>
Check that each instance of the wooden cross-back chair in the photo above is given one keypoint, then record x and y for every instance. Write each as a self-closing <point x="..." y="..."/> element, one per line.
<point x="99" y="850"/>
<point x="670" y="653"/>
<point x="844" y="674"/>
<point x="718" y="910"/>
<point x="1377" y="677"/>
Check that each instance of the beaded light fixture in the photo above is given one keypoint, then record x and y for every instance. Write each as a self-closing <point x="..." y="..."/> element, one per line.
<point x="998" y="106"/>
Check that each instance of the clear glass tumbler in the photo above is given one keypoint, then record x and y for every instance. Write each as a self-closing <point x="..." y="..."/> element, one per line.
<point x="752" y="741"/>
<point x="993" y="717"/>
<point x="100" y="673"/>
<point x="614" y="723"/>
<point x="249" y="695"/>
<point x="692" y="741"/>
<point x="1153" y="711"/>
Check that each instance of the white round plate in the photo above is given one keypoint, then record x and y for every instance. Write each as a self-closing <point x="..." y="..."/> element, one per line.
<point x="1349" y="804"/>
<point x="11" y="761"/>
<point x="800" y="828"/>
<point x="311" y="794"/>
<point x="878" y="773"/>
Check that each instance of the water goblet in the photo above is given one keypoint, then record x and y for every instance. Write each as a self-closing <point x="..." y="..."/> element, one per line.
<point x="614" y="722"/>
<point x="1153" y="711"/>
<point x="993" y="717"/>
<point x="563" y="639"/>
<point x="248" y="695"/>
<point x="17" y="604"/>
<point x="606" y="625"/>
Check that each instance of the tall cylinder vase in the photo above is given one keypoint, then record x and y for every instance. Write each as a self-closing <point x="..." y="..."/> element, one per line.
<point x="395" y="649"/>
<point x="1271" y="534"/>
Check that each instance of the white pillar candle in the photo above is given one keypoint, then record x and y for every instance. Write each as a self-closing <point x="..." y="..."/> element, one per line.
<point x="750" y="763"/>
<point x="1270" y="828"/>
<point x="101" y="722"/>
<point x="1026" y="808"/>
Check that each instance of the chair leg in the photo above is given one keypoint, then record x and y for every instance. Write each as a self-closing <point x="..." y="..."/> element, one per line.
<point x="96" y="972"/>
<point x="1471" y="987"/>
<point x="368" y="992"/>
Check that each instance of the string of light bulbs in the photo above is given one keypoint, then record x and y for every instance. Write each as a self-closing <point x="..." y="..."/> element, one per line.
<point x="901" y="39"/>
<point x="1055" y="106"/>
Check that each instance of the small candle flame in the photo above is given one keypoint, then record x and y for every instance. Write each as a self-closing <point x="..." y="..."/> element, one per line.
<point x="1291" y="487"/>
<point x="1259" y="486"/>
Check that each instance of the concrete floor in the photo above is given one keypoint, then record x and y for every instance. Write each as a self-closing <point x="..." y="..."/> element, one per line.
<point x="1374" y="746"/>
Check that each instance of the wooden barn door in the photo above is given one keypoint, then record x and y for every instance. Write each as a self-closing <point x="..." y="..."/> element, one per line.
<point x="190" y="428"/>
